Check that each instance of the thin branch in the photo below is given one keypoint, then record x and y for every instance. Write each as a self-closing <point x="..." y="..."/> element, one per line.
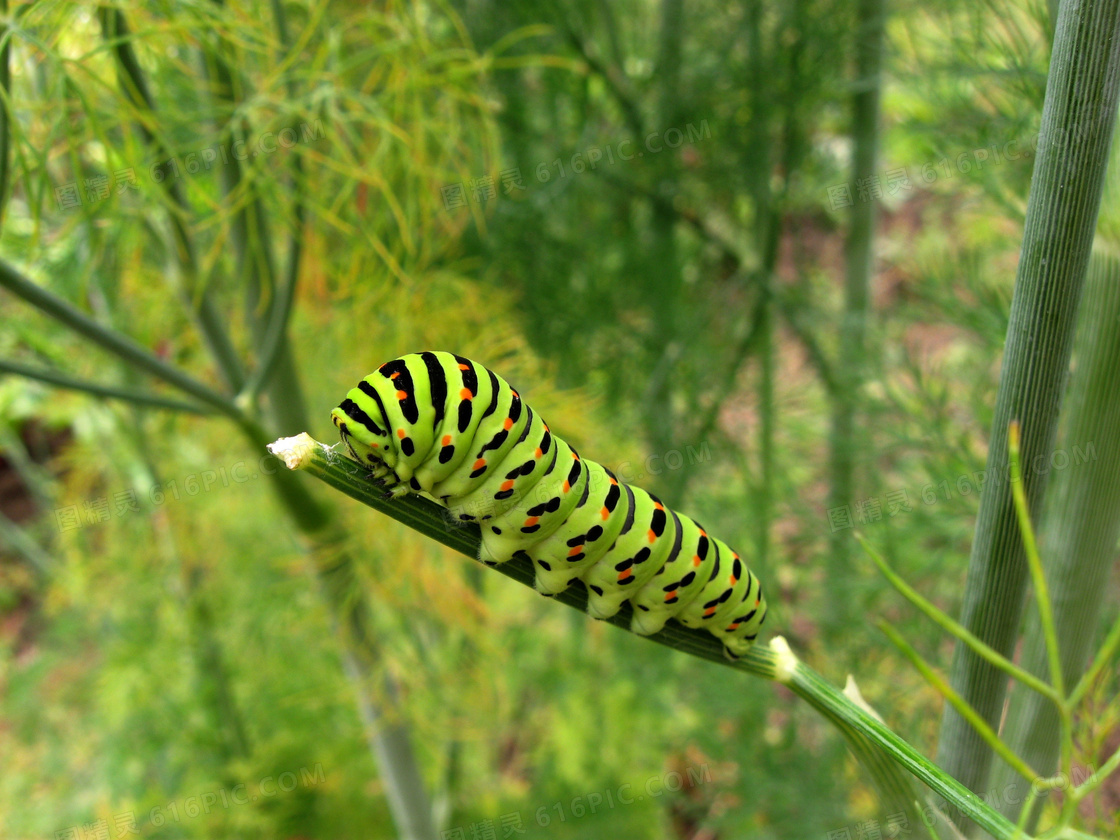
<point x="957" y="702"/>
<point x="274" y="339"/>
<point x="953" y="628"/>
<point x="5" y="110"/>
<point x="612" y="77"/>
<point x="17" y="538"/>
<point x="699" y="223"/>
<point x="127" y="394"/>
<point x="118" y="344"/>
<point x="1103" y="658"/>
<point x="739" y="356"/>
<point x="817" y="356"/>
<point x="132" y="82"/>
<point x="1038" y="578"/>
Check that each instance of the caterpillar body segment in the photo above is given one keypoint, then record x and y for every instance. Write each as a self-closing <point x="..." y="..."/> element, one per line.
<point x="441" y="424"/>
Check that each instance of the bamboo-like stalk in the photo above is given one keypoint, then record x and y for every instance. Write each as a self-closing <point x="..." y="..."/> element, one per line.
<point x="1080" y="529"/>
<point x="1077" y="125"/>
<point x="870" y="738"/>
<point x="859" y="255"/>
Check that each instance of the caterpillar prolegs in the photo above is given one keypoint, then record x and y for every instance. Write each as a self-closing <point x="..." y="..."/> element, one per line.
<point x="443" y="425"/>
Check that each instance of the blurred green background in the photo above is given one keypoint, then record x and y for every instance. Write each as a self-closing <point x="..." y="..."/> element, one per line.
<point x="642" y="214"/>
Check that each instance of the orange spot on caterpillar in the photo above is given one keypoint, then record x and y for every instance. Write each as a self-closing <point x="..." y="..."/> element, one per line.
<point x="625" y="574"/>
<point x="392" y="375"/>
<point x="696" y="561"/>
<point x="466" y="394"/>
<point x="710" y="611"/>
<point x="575" y="550"/>
<point x="507" y="485"/>
<point x="401" y="433"/>
<point x="567" y="486"/>
<point x="538" y="453"/>
<point x="447" y="440"/>
<point x="669" y="596"/>
<point x="614" y="481"/>
<point x="479" y="464"/>
<point x="531" y="521"/>
<point x="464" y="367"/>
<point x="703" y="533"/>
<point x="733" y="626"/>
<point x="515" y="394"/>
<point x="375" y="445"/>
<point x="733" y="580"/>
<point x="659" y="506"/>
<point x="402" y="395"/>
<point x="652" y="536"/>
<point x="508" y="424"/>
<point x="575" y="457"/>
<point x="605" y="513"/>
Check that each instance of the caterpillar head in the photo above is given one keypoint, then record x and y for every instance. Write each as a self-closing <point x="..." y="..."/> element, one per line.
<point x="365" y="439"/>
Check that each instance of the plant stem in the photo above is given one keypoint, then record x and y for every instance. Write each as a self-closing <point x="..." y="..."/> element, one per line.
<point x="197" y="301"/>
<point x="949" y="626"/>
<point x="1077" y="125"/>
<point x="846" y="435"/>
<point x="127" y="394"/>
<point x="775" y="662"/>
<point x="938" y="682"/>
<point x="116" y="343"/>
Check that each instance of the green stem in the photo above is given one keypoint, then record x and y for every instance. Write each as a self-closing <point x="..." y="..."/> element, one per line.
<point x="1078" y="118"/>
<point x="949" y="626"/>
<point x="775" y="662"/>
<point x="967" y="712"/>
<point x="1038" y="578"/>
<point x="116" y="343"/>
<point x="63" y="381"/>
<point x="5" y="108"/>
<point x="846" y="436"/>
<point x="135" y="87"/>
<point x="1103" y="658"/>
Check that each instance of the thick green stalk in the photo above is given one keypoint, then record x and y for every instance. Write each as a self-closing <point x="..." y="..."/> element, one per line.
<point x="859" y="254"/>
<point x="1080" y="528"/>
<point x="1077" y="124"/>
<point x="775" y="662"/>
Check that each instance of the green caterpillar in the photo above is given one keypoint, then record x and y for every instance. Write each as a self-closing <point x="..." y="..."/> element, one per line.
<point x="443" y="425"/>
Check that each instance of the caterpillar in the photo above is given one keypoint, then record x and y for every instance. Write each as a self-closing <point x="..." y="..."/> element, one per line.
<point x="439" y="424"/>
